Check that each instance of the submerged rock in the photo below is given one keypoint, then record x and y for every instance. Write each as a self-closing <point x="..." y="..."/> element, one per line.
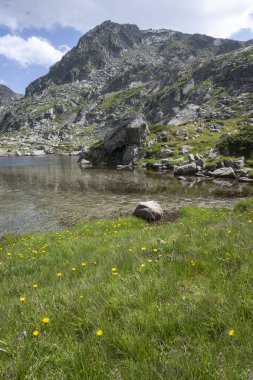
<point x="149" y="211"/>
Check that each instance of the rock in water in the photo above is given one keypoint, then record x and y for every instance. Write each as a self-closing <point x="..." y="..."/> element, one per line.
<point x="149" y="211"/>
<point x="224" y="173"/>
<point x="188" y="169"/>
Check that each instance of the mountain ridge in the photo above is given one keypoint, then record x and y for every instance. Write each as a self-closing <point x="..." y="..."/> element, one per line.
<point x="118" y="76"/>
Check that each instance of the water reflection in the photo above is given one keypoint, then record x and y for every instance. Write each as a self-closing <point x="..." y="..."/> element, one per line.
<point x="50" y="192"/>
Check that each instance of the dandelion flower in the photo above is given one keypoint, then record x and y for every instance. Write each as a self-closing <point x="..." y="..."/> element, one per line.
<point x="115" y="273"/>
<point x="59" y="274"/>
<point x="22" y="299"/>
<point x="150" y="261"/>
<point x="95" y="263"/>
<point x="35" y="286"/>
<point x="99" y="332"/>
<point x="45" y="320"/>
<point x="81" y="296"/>
<point x="192" y="263"/>
<point x="142" y="265"/>
<point x="143" y="249"/>
<point x="36" y="333"/>
<point x="154" y="249"/>
<point x="130" y="250"/>
<point x="231" y="332"/>
<point x="114" y="269"/>
<point x="84" y="264"/>
<point x="73" y="269"/>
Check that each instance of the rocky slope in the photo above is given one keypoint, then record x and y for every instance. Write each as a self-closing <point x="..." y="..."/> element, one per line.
<point x="126" y="92"/>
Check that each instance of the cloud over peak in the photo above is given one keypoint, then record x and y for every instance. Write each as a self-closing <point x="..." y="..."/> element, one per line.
<point x="30" y="51"/>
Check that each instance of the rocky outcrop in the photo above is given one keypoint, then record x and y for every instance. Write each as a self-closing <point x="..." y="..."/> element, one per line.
<point x="149" y="211"/>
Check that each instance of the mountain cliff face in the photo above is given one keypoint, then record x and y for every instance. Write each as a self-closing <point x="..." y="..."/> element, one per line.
<point x="118" y="75"/>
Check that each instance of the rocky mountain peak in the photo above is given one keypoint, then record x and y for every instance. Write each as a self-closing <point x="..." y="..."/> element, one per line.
<point x="93" y="51"/>
<point x="114" y="37"/>
<point x="7" y="95"/>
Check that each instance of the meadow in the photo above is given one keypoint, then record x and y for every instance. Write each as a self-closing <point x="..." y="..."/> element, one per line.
<point x="122" y="299"/>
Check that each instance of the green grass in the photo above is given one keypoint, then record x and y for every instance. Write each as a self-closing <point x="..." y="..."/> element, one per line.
<point x="114" y="99"/>
<point x="166" y="319"/>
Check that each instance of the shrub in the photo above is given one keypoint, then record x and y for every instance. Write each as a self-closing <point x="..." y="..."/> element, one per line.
<point x="240" y="143"/>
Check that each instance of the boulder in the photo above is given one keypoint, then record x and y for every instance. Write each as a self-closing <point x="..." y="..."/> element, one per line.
<point x="164" y="153"/>
<point x="83" y="163"/>
<point x="185" y="149"/>
<point x="131" y="154"/>
<point x="187" y="114"/>
<point x="188" y="169"/>
<point x="224" y="173"/>
<point x="149" y="211"/>
<point x="132" y="132"/>
<point x="34" y="152"/>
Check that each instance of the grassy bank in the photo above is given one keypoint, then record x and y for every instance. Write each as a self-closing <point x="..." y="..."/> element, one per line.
<point x="125" y="300"/>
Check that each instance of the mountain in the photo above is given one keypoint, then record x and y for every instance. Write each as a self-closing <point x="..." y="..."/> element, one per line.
<point x="7" y="95"/>
<point x="121" y="88"/>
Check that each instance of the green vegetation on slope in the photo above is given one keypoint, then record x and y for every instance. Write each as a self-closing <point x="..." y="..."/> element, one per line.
<point x="178" y="304"/>
<point x="240" y="143"/>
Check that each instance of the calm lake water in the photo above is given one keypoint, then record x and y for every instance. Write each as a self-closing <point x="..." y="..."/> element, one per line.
<point x="50" y="192"/>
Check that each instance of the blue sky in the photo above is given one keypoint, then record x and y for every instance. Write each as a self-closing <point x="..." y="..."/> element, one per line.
<point x="34" y="34"/>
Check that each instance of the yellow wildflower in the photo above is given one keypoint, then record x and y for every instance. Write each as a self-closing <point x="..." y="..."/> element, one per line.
<point x="73" y="269"/>
<point x="59" y="274"/>
<point x="114" y="269"/>
<point x="35" y="286"/>
<point x="154" y="249"/>
<point x="84" y="264"/>
<point x="99" y="332"/>
<point x="36" y="333"/>
<point x="45" y="320"/>
<point x="22" y="299"/>
<point x="150" y="261"/>
<point x="142" y="265"/>
<point x="231" y="332"/>
<point x="143" y="249"/>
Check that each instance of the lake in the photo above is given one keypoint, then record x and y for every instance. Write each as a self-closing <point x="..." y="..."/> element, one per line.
<point x="51" y="192"/>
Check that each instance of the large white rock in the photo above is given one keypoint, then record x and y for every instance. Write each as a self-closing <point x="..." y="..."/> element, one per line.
<point x="149" y="211"/>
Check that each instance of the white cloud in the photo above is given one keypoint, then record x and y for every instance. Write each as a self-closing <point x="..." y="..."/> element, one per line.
<point x="33" y="51"/>
<point x="219" y="18"/>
